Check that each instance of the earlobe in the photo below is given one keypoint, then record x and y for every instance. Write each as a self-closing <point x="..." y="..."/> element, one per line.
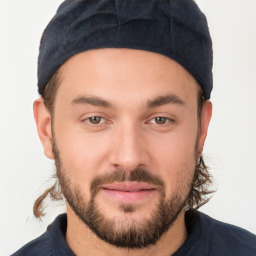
<point x="205" y="121"/>
<point x="43" y="123"/>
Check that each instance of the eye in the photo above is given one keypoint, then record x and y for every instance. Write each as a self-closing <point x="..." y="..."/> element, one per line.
<point x="160" y="120"/>
<point x="95" y="120"/>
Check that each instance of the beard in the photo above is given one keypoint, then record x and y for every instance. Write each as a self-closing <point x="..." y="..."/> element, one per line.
<point x="125" y="233"/>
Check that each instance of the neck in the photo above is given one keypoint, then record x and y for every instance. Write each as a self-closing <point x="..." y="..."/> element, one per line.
<point x="83" y="241"/>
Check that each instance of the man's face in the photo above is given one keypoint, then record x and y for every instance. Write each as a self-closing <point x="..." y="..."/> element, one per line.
<point x="126" y="139"/>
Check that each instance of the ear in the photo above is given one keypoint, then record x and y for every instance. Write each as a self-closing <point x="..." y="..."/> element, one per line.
<point x="43" y="123"/>
<point x="205" y="120"/>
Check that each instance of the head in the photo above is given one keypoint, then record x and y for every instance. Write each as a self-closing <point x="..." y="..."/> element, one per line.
<point x="123" y="115"/>
<point x="126" y="128"/>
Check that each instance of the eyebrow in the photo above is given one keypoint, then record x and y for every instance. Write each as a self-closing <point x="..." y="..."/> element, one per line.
<point x="163" y="100"/>
<point x="93" y="100"/>
<point x="157" y="102"/>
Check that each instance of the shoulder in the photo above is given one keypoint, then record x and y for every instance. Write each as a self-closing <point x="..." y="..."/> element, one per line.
<point x="39" y="246"/>
<point x="52" y="242"/>
<point x="228" y="239"/>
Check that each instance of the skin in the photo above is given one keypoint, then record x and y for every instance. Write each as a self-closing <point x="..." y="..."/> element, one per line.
<point x="127" y="137"/>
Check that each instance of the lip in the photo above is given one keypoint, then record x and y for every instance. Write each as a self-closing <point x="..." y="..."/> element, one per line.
<point x="128" y="192"/>
<point x="129" y="186"/>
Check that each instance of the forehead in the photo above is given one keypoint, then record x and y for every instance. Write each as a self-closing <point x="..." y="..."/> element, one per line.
<point x="131" y="75"/>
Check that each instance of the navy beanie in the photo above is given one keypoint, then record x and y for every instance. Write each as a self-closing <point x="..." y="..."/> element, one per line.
<point x="174" y="28"/>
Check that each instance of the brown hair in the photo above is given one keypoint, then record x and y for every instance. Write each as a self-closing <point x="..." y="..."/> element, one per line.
<point x="199" y="193"/>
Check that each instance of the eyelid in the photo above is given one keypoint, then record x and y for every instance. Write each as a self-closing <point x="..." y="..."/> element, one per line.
<point x="105" y="120"/>
<point x="92" y="114"/>
<point x="87" y="120"/>
<point x="169" y="120"/>
<point x="166" y="115"/>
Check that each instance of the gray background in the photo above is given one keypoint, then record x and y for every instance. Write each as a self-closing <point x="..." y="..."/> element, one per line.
<point x="230" y="148"/>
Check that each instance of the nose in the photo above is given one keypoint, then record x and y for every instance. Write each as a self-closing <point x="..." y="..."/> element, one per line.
<point x="128" y="150"/>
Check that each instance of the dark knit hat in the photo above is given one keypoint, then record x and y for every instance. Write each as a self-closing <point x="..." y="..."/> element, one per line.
<point x="174" y="28"/>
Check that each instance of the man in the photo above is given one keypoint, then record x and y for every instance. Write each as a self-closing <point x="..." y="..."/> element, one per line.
<point x="124" y="112"/>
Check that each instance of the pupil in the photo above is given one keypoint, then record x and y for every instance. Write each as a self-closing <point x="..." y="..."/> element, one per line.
<point x="160" y="120"/>
<point x="95" y="120"/>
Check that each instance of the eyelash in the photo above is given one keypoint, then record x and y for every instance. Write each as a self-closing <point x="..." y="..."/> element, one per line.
<point x="166" y="120"/>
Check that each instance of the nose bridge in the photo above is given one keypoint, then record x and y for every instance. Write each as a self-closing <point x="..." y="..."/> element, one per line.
<point x="128" y="151"/>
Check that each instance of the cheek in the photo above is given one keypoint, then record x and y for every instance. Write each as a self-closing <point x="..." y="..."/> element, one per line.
<point x="174" y="157"/>
<point x="83" y="156"/>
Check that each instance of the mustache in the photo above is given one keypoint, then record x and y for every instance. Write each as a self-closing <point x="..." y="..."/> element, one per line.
<point x="119" y="175"/>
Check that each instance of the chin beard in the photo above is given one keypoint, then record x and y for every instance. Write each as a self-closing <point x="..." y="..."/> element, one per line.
<point x="125" y="232"/>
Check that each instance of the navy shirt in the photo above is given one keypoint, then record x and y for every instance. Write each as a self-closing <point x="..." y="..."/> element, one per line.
<point x="206" y="237"/>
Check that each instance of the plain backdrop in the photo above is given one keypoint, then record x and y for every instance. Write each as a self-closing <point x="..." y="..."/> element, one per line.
<point x="230" y="148"/>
